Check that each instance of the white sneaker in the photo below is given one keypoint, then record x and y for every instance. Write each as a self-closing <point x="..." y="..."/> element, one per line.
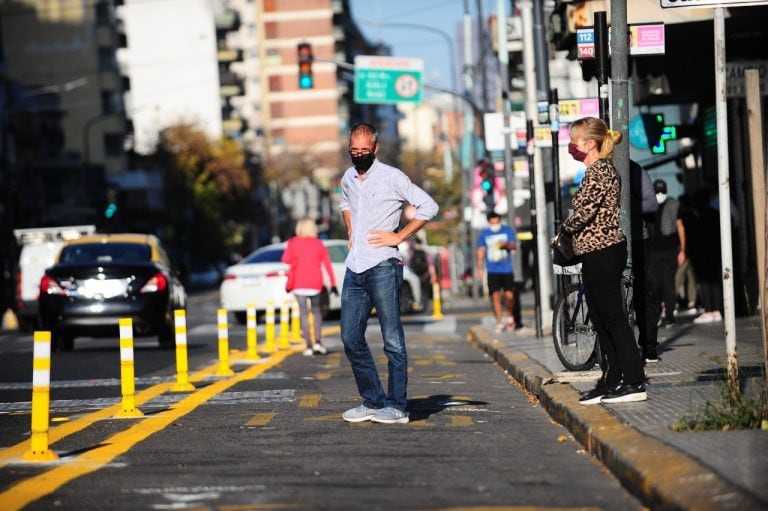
<point x="498" y="328"/>
<point x="308" y="352"/>
<point x="359" y="414"/>
<point x="707" y="317"/>
<point x="390" y="415"/>
<point x="716" y="317"/>
<point x="319" y="349"/>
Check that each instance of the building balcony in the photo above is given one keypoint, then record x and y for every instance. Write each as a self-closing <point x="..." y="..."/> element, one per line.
<point x="228" y="21"/>
<point x="227" y="91"/>
<point x="227" y="55"/>
<point x="233" y="126"/>
<point x="229" y="78"/>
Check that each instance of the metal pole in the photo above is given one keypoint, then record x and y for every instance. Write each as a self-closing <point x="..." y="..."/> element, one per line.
<point x="725" y="203"/>
<point x="554" y="127"/>
<point x="547" y="213"/>
<point x="620" y="109"/>
<point x="504" y="71"/>
<point x="601" y="54"/>
<point x="539" y="202"/>
<point x="469" y="122"/>
<point x="531" y="151"/>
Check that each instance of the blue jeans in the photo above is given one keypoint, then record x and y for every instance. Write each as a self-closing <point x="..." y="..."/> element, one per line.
<point x="376" y="287"/>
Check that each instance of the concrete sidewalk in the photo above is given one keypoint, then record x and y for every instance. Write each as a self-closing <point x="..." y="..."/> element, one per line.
<point x="666" y="469"/>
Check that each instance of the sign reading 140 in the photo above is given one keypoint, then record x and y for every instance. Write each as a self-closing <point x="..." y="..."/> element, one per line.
<point x="670" y="4"/>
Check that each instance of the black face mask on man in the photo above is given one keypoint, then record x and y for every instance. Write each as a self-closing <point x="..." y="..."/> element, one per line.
<point x="363" y="161"/>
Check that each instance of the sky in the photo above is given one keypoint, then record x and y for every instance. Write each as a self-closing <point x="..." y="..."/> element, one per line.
<point x="445" y="15"/>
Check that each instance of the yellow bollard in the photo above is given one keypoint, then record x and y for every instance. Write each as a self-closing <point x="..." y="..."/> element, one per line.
<point x="269" y="346"/>
<point x="295" y="322"/>
<point x="182" y="367"/>
<point x="251" y="334"/>
<point x="224" y="369"/>
<point x="41" y="391"/>
<point x="437" y="312"/>
<point x="282" y="341"/>
<point x="127" y="383"/>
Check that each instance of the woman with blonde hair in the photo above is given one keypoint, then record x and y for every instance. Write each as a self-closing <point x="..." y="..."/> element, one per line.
<point x="598" y="239"/>
<point x="307" y="257"/>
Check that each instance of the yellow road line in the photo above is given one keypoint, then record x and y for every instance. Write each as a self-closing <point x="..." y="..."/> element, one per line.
<point x="460" y="421"/>
<point x="33" y="488"/>
<point x="261" y="419"/>
<point x="310" y="400"/>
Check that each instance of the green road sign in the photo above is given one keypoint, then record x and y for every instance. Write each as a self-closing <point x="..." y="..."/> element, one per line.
<point x="388" y="79"/>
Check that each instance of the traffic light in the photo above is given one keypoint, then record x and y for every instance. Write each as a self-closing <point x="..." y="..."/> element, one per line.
<point x="304" y="58"/>
<point x="487" y="185"/>
<point x="110" y="210"/>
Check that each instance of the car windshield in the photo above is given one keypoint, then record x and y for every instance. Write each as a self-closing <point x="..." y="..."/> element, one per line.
<point x="265" y="255"/>
<point x="106" y="253"/>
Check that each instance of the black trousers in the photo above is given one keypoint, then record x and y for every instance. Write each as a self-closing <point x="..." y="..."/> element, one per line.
<point x="602" y="270"/>
<point x="646" y="308"/>
<point x="661" y="277"/>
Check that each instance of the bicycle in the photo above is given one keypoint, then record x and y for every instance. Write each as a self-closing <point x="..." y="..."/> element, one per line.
<point x="574" y="336"/>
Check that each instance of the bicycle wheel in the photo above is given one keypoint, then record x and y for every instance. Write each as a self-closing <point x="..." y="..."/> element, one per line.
<point x="573" y="334"/>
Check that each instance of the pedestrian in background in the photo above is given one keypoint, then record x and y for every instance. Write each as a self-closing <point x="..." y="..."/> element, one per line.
<point x="597" y="238"/>
<point x="494" y="253"/>
<point x="372" y="199"/>
<point x="307" y="257"/>
<point x="706" y="259"/>
<point x="685" y="277"/>
<point x="667" y="253"/>
<point x="643" y="206"/>
<point x="422" y="264"/>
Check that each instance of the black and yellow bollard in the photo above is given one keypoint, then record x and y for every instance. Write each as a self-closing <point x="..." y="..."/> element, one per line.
<point x="182" y="366"/>
<point x="127" y="381"/>
<point x="41" y="391"/>
<point x="224" y="369"/>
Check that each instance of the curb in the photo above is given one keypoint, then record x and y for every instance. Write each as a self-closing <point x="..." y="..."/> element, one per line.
<point x="661" y="476"/>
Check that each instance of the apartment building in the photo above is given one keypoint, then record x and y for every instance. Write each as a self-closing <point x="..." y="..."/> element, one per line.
<point x="63" y="112"/>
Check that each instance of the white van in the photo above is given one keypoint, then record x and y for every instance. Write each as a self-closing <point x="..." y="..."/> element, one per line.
<point x="39" y="247"/>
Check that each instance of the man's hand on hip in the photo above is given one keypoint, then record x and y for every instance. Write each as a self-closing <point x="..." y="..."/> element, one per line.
<point x="378" y="238"/>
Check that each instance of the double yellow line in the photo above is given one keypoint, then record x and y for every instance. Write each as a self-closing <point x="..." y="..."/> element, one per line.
<point x="33" y="488"/>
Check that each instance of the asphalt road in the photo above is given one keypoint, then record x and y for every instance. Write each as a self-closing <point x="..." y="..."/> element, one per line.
<point x="272" y="437"/>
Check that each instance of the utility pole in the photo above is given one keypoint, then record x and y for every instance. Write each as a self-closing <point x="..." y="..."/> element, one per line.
<point x="544" y="184"/>
<point x="620" y="109"/>
<point x="501" y="15"/>
<point x="469" y="120"/>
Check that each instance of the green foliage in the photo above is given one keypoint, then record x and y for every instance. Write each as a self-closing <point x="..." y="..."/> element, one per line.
<point x="206" y="183"/>
<point x="729" y="412"/>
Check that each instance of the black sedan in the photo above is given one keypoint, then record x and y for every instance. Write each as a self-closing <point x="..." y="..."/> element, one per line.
<point x="99" y="279"/>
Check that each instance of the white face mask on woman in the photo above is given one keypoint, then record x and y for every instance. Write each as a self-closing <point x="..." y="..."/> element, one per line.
<point x="661" y="197"/>
<point x="495" y="227"/>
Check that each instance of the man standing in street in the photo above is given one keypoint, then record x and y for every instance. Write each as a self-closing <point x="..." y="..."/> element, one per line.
<point x="373" y="195"/>
<point x="494" y="251"/>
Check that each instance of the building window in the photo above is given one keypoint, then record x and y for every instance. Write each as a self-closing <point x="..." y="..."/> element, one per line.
<point x="104" y="14"/>
<point x="110" y="102"/>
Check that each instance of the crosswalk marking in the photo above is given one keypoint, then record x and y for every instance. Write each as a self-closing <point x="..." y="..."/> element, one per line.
<point x="309" y="400"/>
<point x="261" y="419"/>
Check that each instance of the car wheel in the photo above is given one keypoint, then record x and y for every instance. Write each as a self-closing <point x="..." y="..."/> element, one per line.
<point x="241" y="317"/>
<point x="406" y="299"/>
<point x="62" y="342"/>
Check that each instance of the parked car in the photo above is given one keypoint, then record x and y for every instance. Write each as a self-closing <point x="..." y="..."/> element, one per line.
<point x="261" y="277"/>
<point x="39" y="247"/>
<point x="101" y="278"/>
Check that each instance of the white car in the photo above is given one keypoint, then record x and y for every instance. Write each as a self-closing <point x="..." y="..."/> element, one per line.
<point x="261" y="277"/>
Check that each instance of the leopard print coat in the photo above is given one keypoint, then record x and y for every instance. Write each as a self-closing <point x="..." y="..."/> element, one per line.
<point x="594" y="221"/>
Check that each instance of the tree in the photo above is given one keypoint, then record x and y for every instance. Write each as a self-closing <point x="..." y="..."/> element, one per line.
<point x="207" y="187"/>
